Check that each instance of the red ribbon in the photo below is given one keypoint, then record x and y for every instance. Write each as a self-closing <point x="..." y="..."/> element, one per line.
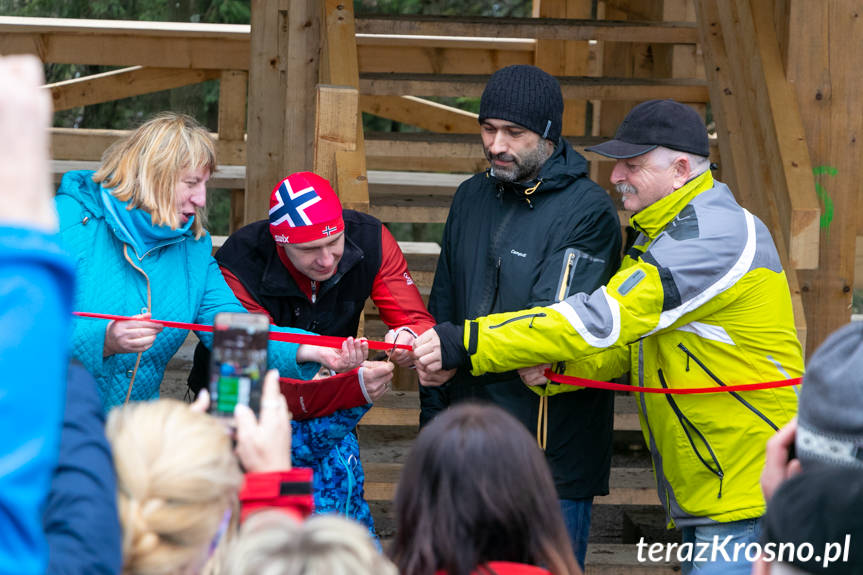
<point x="582" y="382"/>
<point x="301" y="338"/>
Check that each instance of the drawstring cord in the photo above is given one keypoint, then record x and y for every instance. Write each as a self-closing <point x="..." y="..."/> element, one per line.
<point x="542" y="422"/>
<point x="149" y="308"/>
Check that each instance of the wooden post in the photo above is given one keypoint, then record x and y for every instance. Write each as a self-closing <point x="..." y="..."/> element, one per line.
<point x="232" y="124"/>
<point x="565" y="57"/>
<point x="740" y="137"/>
<point x="283" y="72"/>
<point x="823" y="53"/>
<point x="343" y="159"/>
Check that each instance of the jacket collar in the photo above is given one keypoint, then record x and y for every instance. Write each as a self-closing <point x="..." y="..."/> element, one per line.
<point x="652" y="220"/>
<point x="278" y="281"/>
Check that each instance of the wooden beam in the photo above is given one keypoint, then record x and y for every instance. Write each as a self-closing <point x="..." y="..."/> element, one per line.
<point x="565" y="57"/>
<point x="339" y="51"/>
<point x="232" y="128"/>
<point x="577" y="88"/>
<point x="429" y="60"/>
<point x="339" y="142"/>
<point x="546" y="28"/>
<point x="421" y="113"/>
<point x="740" y="146"/>
<point x="123" y="43"/>
<point x="335" y="127"/>
<point x="784" y="136"/>
<point x="78" y="144"/>
<point x="119" y="84"/>
<point x="284" y="45"/>
<point x="822" y="64"/>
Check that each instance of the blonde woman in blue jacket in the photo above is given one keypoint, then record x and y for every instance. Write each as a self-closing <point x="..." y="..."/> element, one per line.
<point x="135" y="230"/>
<point x="135" y="227"/>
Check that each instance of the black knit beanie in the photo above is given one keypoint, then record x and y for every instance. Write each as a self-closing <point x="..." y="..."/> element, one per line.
<point x="527" y="96"/>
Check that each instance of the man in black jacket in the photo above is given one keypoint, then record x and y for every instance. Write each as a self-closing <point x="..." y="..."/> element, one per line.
<point x="530" y="230"/>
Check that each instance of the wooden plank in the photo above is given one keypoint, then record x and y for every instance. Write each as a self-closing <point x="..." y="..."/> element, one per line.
<point x="738" y="142"/>
<point x="232" y="104"/>
<point x="574" y="88"/>
<point x="405" y="41"/>
<point x="447" y="152"/>
<point x="300" y="57"/>
<point x="78" y="144"/>
<point x="623" y="559"/>
<point x="339" y="57"/>
<point x="545" y="28"/>
<point x="784" y="136"/>
<point x="123" y="43"/>
<point x="565" y="57"/>
<point x="421" y="113"/>
<point x="225" y="177"/>
<point x="858" y="263"/>
<point x="119" y="84"/>
<point x="339" y="130"/>
<point x="401" y="409"/>
<point x="284" y="44"/>
<point x="352" y="184"/>
<point x="265" y="114"/>
<point x="822" y="67"/>
<point x="335" y="127"/>
<point x="232" y="127"/>
<point x="92" y="27"/>
<point x="425" y="59"/>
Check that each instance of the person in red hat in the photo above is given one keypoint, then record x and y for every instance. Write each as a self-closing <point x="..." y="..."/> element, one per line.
<point x="312" y="265"/>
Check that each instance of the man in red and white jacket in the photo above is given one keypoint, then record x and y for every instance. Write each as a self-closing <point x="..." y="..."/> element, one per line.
<point x="312" y="265"/>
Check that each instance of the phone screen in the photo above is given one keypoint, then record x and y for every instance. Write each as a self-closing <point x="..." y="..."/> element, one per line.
<point x="239" y="361"/>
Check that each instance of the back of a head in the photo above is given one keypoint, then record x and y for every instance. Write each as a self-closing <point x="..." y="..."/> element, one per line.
<point x="273" y="543"/>
<point x="476" y="488"/>
<point x="177" y="477"/>
<point x="830" y="418"/>
<point x="814" y="519"/>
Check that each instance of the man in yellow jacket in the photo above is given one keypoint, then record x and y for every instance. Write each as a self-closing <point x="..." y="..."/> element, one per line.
<point x="700" y="300"/>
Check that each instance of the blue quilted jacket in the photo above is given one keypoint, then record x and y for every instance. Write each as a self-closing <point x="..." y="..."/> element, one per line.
<point x="185" y="285"/>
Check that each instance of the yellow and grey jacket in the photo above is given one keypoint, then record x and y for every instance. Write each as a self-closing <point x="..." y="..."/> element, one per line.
<point x="701" y="300"/>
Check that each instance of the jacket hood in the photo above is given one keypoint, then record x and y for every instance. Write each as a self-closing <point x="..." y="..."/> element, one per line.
<point x="79" y="185"/>
<point x="563" y="167"/>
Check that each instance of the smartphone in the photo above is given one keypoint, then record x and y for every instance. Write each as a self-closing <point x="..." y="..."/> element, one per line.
<point x="238" y="362"/>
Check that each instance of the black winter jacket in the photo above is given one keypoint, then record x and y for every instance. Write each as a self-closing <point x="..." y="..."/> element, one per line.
<point x="503" y="249"/>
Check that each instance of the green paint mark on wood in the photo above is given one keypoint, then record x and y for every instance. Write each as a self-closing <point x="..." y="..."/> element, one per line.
<point x="826" y="200"/>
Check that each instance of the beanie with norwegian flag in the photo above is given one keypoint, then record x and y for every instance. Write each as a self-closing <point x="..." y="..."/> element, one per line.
<point x="304" y="208"/>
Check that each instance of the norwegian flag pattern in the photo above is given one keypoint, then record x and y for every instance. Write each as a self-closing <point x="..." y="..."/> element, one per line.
<point x="291" y="205"/>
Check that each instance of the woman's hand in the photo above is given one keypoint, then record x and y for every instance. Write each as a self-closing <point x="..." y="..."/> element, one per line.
<point x="377" y="378"/>
<point x="352" y="354"/>
<point x="132" y="336"/>
<point x="264" y="444"/>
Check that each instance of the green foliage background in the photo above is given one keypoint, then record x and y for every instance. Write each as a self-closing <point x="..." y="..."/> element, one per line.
<point x="201" y="100"/>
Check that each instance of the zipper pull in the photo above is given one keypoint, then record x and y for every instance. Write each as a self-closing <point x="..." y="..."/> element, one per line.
<point x="314" y="291"/>
<point x="687" y="362"/>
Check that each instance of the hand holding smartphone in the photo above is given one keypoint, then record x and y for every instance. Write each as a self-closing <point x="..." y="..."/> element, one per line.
<point x="239" y="362"/>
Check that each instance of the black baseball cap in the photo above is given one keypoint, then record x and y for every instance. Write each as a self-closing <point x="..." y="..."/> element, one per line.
<point x="657" y="123"/>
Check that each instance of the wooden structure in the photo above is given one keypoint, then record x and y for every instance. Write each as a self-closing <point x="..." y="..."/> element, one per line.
<point x="779" y="86"/>
<point x="777" y="78"/>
